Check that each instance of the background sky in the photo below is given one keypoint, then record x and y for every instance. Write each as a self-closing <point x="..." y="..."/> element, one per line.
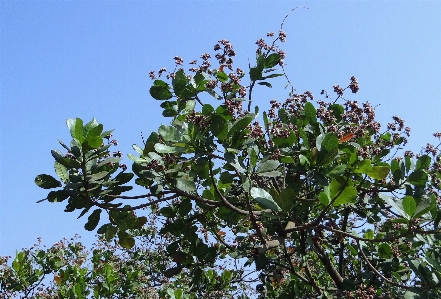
<point x="67" y="59"/>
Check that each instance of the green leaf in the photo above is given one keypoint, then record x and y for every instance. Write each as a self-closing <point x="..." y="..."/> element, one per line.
<point x="324" y="199"/>
<point x="310" y="113"/>
<point x="434" y="262"/>
<point x="226" y="177"/>
<point x="169" y="133"/>
<point x="255" y="74"/>
<point x="167" y="212"/>
<point x="123" y="177"/>
<point x="97" y="176"/>
<point x="185" y="185"/>
<point x="396" y="205"/>
<point x="267" y="84"/>
<point x="285" y="142"/>
<point x="179" y="81"/>
<point x="363" y="166"/>
<point x="384" y="251"/>
<point x="214" y="94"/>
<point x="160" y="91"/>
<point x="267" y="166"/>
<point x="348" y="195"/>
<point x="66" y="162"/>
<point x="125" y="240"/>
<point x="378" y="172"/>
<point x="221" y="76"/>
<point x="264" y="199"/>
<point x="424" y="206"/>
<point x="207" y="109"/>
<point x="108" y="161"/>
<point x="46" y="181"/>
<point x="369" y="234"/>
<point x="110" y="232"/>
<point x="150" y="143"/>
<point x="189" y="106"/>
<point x="93" y="142"/>
<point x="165" y="149"/>
<point x="271" y="174"/>
<point x="61" y="171"/>
<point x="93" y="128"/>
<point x="285" y="199"/>
<point x="185" y="206"/>
<point x="423" y="162"/>
<point x="272" y="60"/>
<point x="76" y="128"/>
<point x="265" y="120"/>
<point x="241" y="124"/>
<point x="408" y="163"/>
<point x="409" y="205"/>
<point x="329" y="142"/>
<point x="326" y="157"/>
<point x="418" y="177"/>
<point x="287" y="160"/>
<point x="337" y="111"/>
<point x="178" y="293"/>
<point x="252" y="152"/>
<point x="218" y="126"/>
<point x="57" y="196"/>
<point x="337" y="170"/>
<point x="93" y="220"/>
<point x="272" y="76"/>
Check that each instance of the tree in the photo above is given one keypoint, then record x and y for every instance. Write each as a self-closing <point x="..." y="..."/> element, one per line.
<point x="317" y="200"/>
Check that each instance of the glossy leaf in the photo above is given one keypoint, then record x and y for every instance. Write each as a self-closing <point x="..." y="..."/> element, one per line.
<point x="185" y="185"/>
<point x="267" y="166"/>
<point x="409" y="205"/>
<point x="423" y="162"/>
<point x="241" y="124"/>
<point x="76" y="128"/>
<point x="418" y="177"/>
<point x="348" y="195"/>
<point x="264" y="199"/>
<point x="169" y="133"/>
<point x="272" y="60"/>
<point x="310" y="113"/>
<point x="378" y="172"/>
<point x="179" y="81"/>
<point x="424" y="207"/>
<point x="160" y="91"/>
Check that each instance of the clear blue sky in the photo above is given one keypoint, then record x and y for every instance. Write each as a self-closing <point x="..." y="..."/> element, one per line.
<point x="66" y="59"/>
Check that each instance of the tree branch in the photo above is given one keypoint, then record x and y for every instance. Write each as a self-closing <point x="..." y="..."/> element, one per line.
<point x="329" y="266"/>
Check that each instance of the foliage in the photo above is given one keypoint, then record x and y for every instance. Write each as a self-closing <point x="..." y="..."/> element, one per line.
<point x="316" y="199"/>
<point x="68" y="270"/>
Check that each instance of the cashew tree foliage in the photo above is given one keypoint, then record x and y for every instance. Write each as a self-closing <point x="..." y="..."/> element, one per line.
<point x="309" y="199"/>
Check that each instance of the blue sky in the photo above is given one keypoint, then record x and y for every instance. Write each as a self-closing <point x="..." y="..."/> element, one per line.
<point x="87" y="59"/>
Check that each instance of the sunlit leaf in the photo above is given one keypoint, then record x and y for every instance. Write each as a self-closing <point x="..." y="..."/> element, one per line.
<point x="264" y="199"/>
<point x="185" y="185"/>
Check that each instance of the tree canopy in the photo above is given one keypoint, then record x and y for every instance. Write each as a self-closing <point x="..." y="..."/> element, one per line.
<point x="312" y="198"/>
